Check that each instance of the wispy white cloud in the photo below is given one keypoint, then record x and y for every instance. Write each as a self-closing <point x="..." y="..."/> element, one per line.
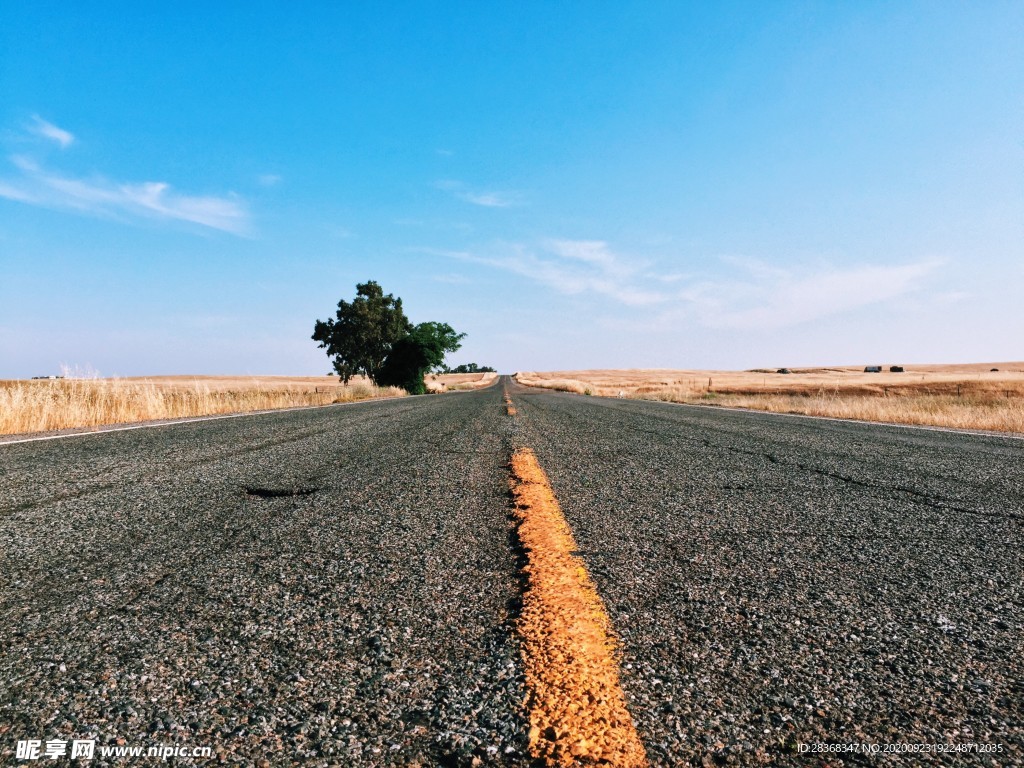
<point x="15" y="193"/>
<point x="102" y="197"/>
<point x="758" y="296"/>
<point x="575" y="267"/>
<point x="487" y="199"/>
<point x="268" y="179"/>
<point x="748" y="295"/>
<point x="492" y="199"/>
<point x="50" y="131"/>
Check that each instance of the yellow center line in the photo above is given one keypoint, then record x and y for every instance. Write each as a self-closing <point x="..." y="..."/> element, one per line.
<point x="577" y="709"/>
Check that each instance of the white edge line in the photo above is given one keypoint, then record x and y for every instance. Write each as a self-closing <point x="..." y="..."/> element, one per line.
<point x="88" y="431"/>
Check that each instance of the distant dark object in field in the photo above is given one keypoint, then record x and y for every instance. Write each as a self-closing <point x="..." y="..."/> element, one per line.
<point x="994" y="370"/>
<point x="873" y="369"/>
<point x="783" y="370"/>
<point x="895" y="369"/>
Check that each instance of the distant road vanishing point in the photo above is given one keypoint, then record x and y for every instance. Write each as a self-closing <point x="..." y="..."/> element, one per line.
<point x="358" y="585"/>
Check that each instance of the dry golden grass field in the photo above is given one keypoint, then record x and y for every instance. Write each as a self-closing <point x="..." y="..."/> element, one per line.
<point x="969" y="396"/>
<point x="51" y="404"/>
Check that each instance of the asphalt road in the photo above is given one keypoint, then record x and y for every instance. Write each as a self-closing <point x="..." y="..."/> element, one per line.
<point x="340" y="586"/>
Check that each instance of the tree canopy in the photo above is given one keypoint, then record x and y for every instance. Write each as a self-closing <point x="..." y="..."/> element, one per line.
<point x="371" y="335"/>
<point x="470" y="368"/>
<point x="413" y="356"/>
<point x="363" y="331"/>
<point x="436" y="340"/>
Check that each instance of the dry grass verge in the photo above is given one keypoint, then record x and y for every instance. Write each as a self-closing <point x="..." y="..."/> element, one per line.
<point x="41" y="406"/>
<point x="963" y="397"/>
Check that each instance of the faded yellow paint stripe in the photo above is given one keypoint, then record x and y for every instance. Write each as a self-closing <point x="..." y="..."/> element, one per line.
<point x="577" y="710"/>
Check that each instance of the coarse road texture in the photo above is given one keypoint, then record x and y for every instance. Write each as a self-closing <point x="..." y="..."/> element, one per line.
<point x="334" y="582"/>
<point x="341" y="586"/>
<point x="776" y="580"/>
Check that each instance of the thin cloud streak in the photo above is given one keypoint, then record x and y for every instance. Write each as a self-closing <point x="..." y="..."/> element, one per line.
<point x="50" y="131"/>
<point x="768" y="298"/>
<point x="490" y="199"/>
<point x="14" y="193"/>
<point x="100" y="197"/>
<point x="754" y="296"/>
<point x="574" y="267"/>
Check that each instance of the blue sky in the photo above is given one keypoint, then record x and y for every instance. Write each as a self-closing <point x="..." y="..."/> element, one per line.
<point x="186" y="189"/>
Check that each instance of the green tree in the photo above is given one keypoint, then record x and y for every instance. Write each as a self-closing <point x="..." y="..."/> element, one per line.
<point x="363" y="332"/>
<point x="371" y="335"/>
<point x="436" y="340"/>
<point x="405" y="367"/>
<point x="470" y="368"/>
<point x="418" y="353"/>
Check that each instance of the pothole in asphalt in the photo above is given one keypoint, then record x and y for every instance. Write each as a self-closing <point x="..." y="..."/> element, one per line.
<point x="277" y="493"/>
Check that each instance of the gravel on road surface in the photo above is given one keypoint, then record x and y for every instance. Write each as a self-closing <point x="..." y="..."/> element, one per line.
<point x="780" y="581"/>
<point x="341" y="586"/>
<point x="328" y="587"/>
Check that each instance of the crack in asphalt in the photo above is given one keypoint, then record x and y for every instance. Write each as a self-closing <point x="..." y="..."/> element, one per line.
<point x="219" y="455"/>
<point x="278" y="493"/>
<point x="320" y="600"/>
<point x="795" y="610"/>
<point x="920" y="497"/>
